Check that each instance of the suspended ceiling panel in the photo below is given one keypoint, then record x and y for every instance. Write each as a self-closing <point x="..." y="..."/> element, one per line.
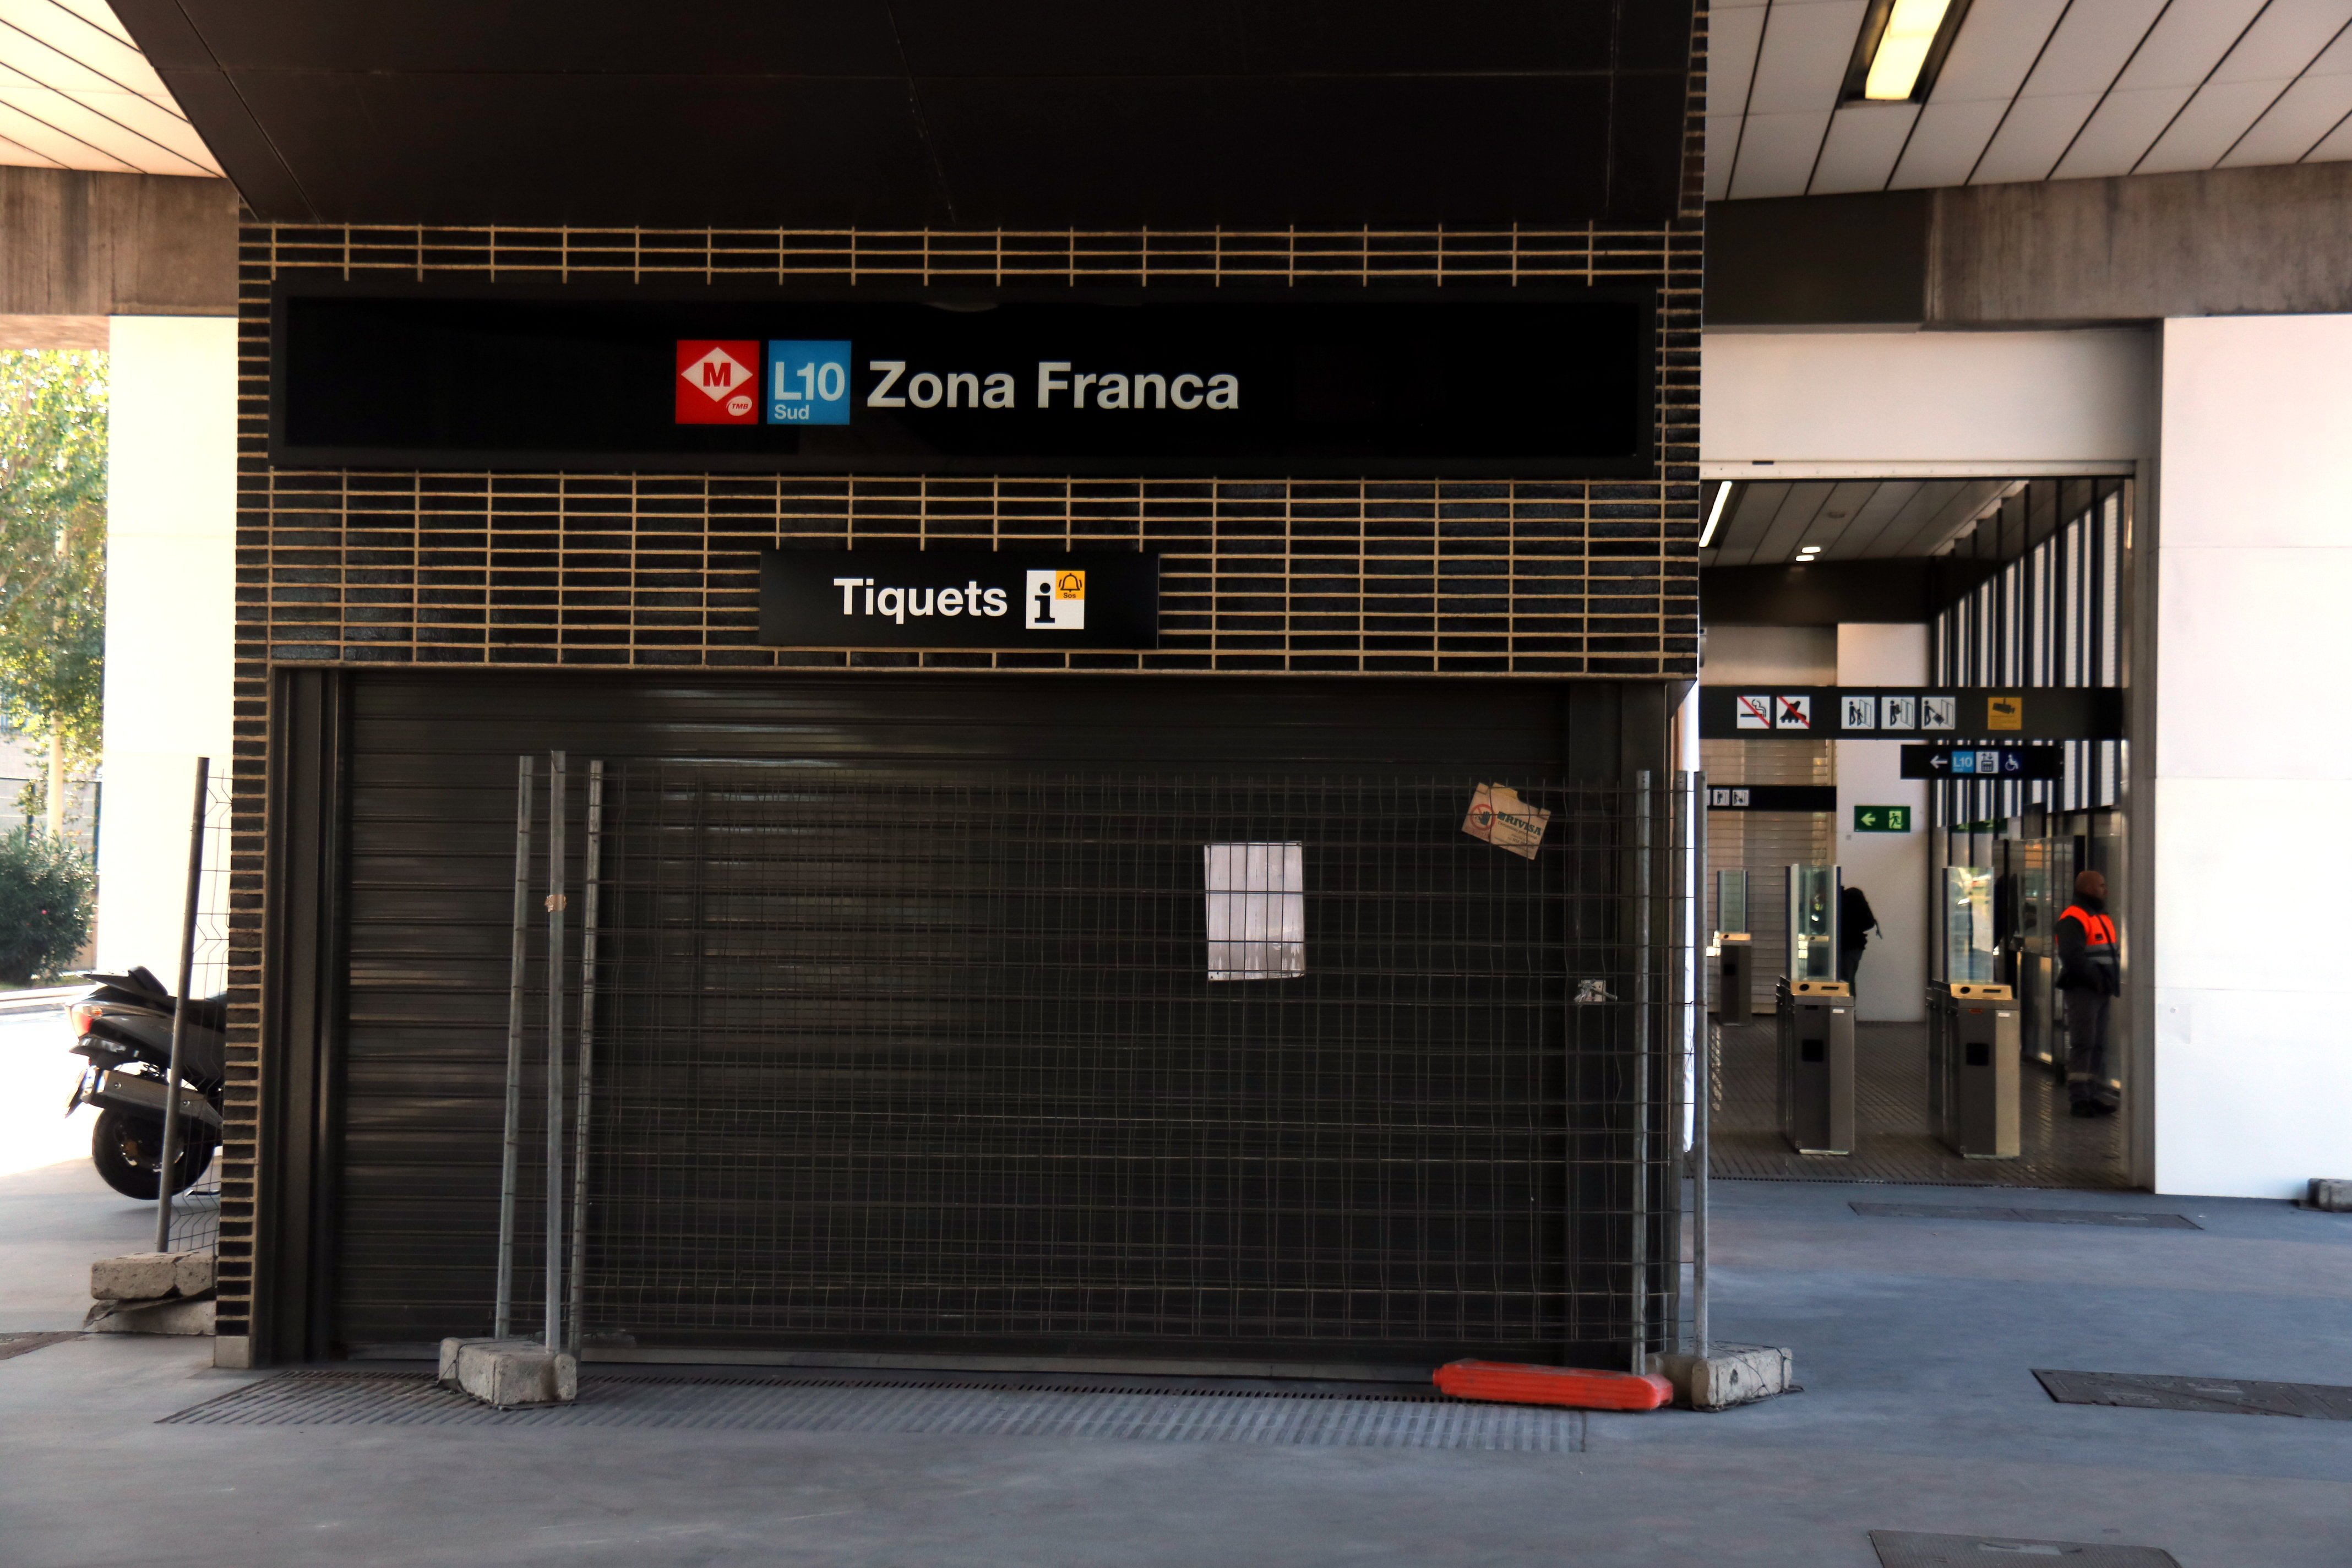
<point x="2032" y="89"/>
<point x="1764" y="523"/>
<point x="76" y="93"/>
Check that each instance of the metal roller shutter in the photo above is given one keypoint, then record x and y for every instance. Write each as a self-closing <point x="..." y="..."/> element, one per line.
<point x="906" y="1039"/>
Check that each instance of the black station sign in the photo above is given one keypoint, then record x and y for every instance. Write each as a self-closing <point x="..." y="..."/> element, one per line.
<point x="1517" y="382"/>
<point x="1031" y="599"/>
<point x="1771" y="797"/>
<point x="1931" y="714"/>
<point x="1984" y="764"/>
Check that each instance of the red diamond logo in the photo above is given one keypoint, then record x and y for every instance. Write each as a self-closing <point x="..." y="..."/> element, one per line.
<point x="717" y="381"/>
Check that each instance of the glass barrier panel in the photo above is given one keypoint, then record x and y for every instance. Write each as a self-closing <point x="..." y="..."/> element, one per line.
<point x="1969" y="950"/>
<point x="1731" y="900"/>
<point x="1813" y="922"/>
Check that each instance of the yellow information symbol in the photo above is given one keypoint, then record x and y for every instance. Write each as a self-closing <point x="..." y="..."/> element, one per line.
<point x="2004" y="713"/>
<point x="1070" y="585"/>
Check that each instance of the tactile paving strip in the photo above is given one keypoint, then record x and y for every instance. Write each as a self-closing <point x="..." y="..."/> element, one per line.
<point x="340" y="1398"/>
<point x="1909" y="1549"/>
<point x="2215" y="1395"/>
<point x="2122" y="1219"/>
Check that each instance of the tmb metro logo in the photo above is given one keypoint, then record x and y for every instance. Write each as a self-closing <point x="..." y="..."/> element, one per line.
<point x="717" y="381"/>
<point x="720" y="382"/>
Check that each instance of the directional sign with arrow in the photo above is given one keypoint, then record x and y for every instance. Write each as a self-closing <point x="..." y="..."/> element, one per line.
<point x="1882" y="819"/>
<point x="2007" y="763"/>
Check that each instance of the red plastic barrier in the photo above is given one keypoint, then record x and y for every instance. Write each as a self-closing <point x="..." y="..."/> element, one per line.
<point x="1582" y="1388"/>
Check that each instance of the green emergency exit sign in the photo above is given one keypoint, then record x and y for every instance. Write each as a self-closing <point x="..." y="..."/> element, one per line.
<point x="1882" y="819"/>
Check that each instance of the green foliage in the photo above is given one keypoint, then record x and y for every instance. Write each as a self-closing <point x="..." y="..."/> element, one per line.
<point x="53" y="547"/>
<point x="47" y="899"/>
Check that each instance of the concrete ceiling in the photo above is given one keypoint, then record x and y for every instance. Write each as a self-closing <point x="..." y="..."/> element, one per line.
<point x="931" y="114"/>
<point x="2032" y="89"/>
<point x="1764" y="522"/>
<point x="76" y="93"/>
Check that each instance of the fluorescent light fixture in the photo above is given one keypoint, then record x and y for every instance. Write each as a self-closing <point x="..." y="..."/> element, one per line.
<point x="1902" y="51"/>
<point x="1714" y="514"/>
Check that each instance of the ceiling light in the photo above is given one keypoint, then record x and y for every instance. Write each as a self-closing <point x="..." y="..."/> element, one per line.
<point x="1714" y="514"/>
<point x="1901" y="46"/>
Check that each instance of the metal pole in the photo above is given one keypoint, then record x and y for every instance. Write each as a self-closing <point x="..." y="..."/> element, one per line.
<point x="502" y="1323"/>
<point x="590" y="853"/>
<point x="172" y="1134"/>
<point x="1641" y="1216"/>
<point x="1703" y="1096"/>
<point x="1675" y="1055"/>
<point x="555" y="900"/>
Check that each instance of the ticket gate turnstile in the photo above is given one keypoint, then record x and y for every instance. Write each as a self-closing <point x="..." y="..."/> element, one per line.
<point x="1816" y="1026"/>
<point x="1735" y="977"/>
<point x="1972" y="1068"/>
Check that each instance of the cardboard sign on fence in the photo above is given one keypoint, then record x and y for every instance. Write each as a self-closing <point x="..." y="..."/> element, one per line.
<point x="1499" y="817"/>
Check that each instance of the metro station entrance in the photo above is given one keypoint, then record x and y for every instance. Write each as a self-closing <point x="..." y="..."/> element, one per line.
<point x="1999" y="603"/>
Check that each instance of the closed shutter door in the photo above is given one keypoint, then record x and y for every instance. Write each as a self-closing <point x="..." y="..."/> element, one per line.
<point x="907" y="1037"/>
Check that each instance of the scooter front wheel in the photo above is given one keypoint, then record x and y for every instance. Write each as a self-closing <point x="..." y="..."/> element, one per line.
<point x="129" y="1154"/>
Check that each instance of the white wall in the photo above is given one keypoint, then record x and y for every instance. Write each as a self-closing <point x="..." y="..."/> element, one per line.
<point x="1890" y="868"/>
<point x="171" y="589"/>
<point x="2253" y="771"/>
<point x="2008" y="399"/>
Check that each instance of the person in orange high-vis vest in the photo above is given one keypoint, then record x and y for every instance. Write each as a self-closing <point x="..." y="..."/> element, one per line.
<point x="2090" y="974"/>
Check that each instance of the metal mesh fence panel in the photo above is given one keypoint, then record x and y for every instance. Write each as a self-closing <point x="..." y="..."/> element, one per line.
<point x="195" y="1213"/>
<point x="893" y="1057"/>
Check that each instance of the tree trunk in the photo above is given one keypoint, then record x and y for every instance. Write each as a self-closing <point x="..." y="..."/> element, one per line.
<point x="57" y="781"/>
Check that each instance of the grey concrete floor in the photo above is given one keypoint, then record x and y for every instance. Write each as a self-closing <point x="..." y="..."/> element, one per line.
<point x="54" y="1222"/>
<point x="1915" y="1341"/>
<point x="56" y="1215"/>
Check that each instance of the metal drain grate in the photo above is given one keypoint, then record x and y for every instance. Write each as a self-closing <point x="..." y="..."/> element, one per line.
<point x="2218" y="1395"/>
<point x="777" y="1405"/>
<point x="1907" y="1548"/>
<point x="2029" y="1217"/>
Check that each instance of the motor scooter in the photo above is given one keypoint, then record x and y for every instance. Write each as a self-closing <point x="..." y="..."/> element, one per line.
<point x="123" y="1028"/>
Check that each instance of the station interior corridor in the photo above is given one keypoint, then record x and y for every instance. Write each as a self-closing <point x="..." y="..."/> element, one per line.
<point x="1893" y="1139"/>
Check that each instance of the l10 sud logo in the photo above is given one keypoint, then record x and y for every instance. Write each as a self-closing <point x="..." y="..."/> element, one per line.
<point x="741" y="380"/>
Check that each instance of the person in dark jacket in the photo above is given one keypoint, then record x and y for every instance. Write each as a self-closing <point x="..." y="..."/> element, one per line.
<point x="1855" y="923"/>
<point x="2090" y="974"/>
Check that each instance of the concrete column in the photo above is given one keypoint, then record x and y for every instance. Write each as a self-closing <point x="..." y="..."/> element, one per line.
<point x="171" y="597"/>
<point x="1890" y="868"/>
<point x="2253" y="772"/>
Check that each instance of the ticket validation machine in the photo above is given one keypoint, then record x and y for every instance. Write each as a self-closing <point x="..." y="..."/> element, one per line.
<point x="1972" y="1068"/>
<point x="1816" y="1020"/>
<point x="1735" y="977"/>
